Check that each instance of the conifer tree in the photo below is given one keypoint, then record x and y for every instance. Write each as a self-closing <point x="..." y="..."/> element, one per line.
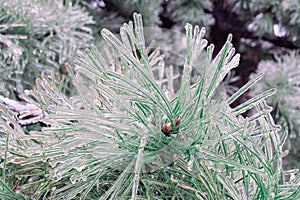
<point x="39" y="36"/>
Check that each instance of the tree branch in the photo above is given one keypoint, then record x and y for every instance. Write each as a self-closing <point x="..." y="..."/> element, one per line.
<point x="27" y="113"/>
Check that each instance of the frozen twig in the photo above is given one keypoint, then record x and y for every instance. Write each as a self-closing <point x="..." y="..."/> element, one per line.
<point x="27" y="113"/>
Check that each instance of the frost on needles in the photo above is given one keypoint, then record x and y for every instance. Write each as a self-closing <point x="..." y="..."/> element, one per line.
<point x="107" y="142"/>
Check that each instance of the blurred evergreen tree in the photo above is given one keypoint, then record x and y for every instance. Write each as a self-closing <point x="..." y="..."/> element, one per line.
<point x="39" y="36"/>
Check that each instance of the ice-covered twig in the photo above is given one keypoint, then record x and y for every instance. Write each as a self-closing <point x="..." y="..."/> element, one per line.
<point x="27" y="113"/>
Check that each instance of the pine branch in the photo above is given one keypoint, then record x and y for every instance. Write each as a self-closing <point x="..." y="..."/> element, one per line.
<point x="124" y="138"/>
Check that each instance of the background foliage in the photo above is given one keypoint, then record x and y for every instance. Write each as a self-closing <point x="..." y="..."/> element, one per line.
<point x="283" y="74"/>
<point x="39" y="36"/>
